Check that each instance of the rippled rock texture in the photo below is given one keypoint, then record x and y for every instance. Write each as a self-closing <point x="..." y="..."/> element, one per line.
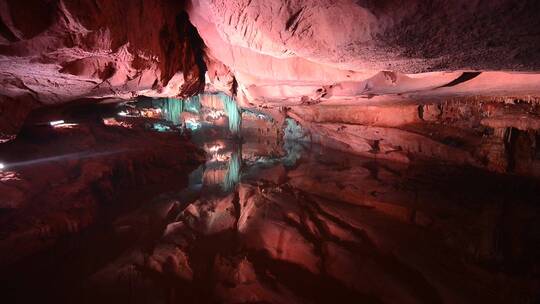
<point x="317" y="50"/>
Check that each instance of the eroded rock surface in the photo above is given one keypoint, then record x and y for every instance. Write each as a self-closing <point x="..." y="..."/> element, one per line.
<point x="52" y="52"/>
<point x="317" y="50"/>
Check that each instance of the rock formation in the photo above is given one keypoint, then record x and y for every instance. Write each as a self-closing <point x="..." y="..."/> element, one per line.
<point x="59" y="51"/>
<point x="378" y="79"/>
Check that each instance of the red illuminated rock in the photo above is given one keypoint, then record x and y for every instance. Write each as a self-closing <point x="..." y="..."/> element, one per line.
<point x="298" y="50"/>
<point x="54" y="52"/>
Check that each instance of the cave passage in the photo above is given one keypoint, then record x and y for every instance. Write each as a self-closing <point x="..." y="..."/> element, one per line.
<point x="299" y="151"/>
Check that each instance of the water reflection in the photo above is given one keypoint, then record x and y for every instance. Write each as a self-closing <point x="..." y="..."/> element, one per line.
<point x="349" y="229"/>
<point x="277" y="220"/>
<point x="229" y="161"/>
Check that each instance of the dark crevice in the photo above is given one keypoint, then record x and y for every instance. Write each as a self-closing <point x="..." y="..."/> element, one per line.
<point x="293" y="20"/>
<point x="234" y="87"/>
<point x="6" y="32"/>
<point x="421" y="112"/>
<point x="190" y="55"/>
<point x="315" y="288"/>
<point x="465" y="76"/>
<point x="509" y="147"/>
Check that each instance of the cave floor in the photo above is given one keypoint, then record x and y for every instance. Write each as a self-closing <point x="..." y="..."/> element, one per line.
<point x="109" y="214"/>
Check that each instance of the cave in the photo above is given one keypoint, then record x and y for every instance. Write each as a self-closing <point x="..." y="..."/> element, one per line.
<point x="266" y="151"/>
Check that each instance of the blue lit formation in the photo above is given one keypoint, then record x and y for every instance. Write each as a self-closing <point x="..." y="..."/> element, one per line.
<point x="172" y="108"/>
<point x="161" y="127"/>
<point x="193" y="104"/>
<point x="232" y="177"/>
<point x="233" y="112"/>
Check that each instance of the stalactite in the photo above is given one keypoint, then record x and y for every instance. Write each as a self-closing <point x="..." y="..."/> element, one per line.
<point x="193" y="104"/>
<point x="172" y="109"/>
<point x="233" y="112"/>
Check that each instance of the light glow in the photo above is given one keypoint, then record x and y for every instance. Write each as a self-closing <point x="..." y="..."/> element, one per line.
<point x="6" y="176"/>
<point x="216" y="114"/>
<point x="114" y="122"/>
<point x="6" y="138"/>
<point x="215" y="148"/>
<point x="65" y="126"/>
<point x="65" y="157"/>
<point x="161" y="127"/>
<point x="2" y="166"/>
<point x="56" y="122"/>
<point x="218" y="157"/>
<point x="192" y="124"/>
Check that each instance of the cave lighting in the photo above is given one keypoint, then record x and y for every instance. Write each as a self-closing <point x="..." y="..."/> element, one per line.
<point x="171" y="109"/>
<point x="215" y="148"/>
<point x="65" y="157"/>
<point x="122" y="113"/>
<point x="216" y="114"/>
<point x="218" y="157"/>
<point x="7" y="176"/>
<point x="2" y="166"/>
<point x="56" y="122"/>
<point x="192" y="124"/>
<point x="161" y="127"/>
<point x="113" y="122"/>
<point x="60" y="124"/>
<point x="6" y="138"/>
<point x="65" y="125"/>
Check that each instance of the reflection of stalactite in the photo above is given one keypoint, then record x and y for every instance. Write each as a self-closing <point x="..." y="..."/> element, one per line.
<point x="232" y="178"/>
<point x="233" y="112"/>
<point x="294" y="131"/>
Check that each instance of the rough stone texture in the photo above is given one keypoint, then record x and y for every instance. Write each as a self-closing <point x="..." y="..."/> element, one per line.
<point x="393" y="80"/>
<point x="492" y="133"/>
<point x="415" y="36"/>
<point x="318" y="49"/>
<point x="53" y="52"/>
<point x="100" y="49"/>
<point x="385" y="87"/>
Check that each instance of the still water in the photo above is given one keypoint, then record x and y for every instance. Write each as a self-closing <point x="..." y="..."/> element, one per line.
<point x="268" y="220"/>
